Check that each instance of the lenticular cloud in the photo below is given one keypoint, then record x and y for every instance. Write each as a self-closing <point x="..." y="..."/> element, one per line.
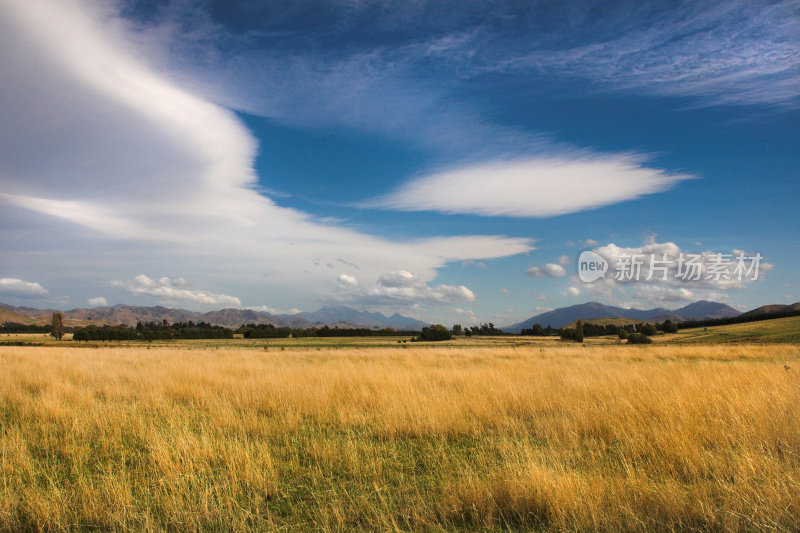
<point x="534" y="187"/>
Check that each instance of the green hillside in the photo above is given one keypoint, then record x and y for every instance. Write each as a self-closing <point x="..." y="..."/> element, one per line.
<point x="774" y="330"/>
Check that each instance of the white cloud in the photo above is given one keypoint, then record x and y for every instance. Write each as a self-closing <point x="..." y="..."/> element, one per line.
<point x="466" y="313"/>
<point x="397" y="279"/>
<point x="589" y="242"/>
<point x="347" y="280"/>
<point x="573" y="292"/>
<point x="533" y="187"/>
<point x="403" y="287"/>
<point x="18" y="287"/>
<point x="550" y="270"/>
<point x="97" y="302"/>
<point x="168" y="292"/>
<point x="564" y="261"/>
<point x="264" y="309"/>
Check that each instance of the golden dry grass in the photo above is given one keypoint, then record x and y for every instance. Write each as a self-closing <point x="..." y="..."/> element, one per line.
<point x="612" y="438"/>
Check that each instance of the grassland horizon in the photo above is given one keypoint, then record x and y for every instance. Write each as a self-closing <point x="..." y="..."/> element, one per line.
<point x="550" y="438"/>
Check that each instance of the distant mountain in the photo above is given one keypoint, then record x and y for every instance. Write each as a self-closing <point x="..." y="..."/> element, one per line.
<point x="346" y="315"/>
<point x="29" y="311"/>
<point x="566" y="315"/>
<point x="129" y="315"/>
<point x="7" y="315"/>
<point x="774" y="308"/>
<point x="705" y="309"/>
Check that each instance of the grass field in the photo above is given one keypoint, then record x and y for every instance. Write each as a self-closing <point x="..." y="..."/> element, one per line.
<point x="551" y="437"/>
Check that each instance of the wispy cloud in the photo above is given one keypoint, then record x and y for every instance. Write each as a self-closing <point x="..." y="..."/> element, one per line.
<point x="735" y="52"/>
<point x="536" y="187"/>
<point x="573" y="292"/>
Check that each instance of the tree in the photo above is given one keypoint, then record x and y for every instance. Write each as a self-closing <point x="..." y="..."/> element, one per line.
<point x="57" y="325"/>
<point x="668" y="326"/>
<point x="579" y="331"/>
<point x="436" y="332"/>
<point x="648" y="329"/>
<point x="572" y="334"/>
<point x="457" y="329"/>
<point x="622" y="333"/>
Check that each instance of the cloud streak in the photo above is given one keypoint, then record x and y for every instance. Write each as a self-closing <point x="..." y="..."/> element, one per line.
<point x="535" y="187"/>
<point x="735" y="52"/>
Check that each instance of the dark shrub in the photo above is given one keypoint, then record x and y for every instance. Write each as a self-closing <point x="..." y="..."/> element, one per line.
<point x="638" y="338"/>
<point x="436" y="332"/>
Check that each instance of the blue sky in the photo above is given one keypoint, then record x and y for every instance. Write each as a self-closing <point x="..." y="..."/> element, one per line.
<point x="446" y="160"/>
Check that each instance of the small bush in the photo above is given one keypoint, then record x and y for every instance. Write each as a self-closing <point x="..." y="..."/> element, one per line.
<point x="638" y="338"/>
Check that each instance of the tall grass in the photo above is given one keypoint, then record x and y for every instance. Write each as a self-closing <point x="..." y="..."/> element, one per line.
<point x="552" y="438"/>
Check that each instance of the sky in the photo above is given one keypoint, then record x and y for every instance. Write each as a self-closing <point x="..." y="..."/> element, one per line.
<point x="447" y="160"/>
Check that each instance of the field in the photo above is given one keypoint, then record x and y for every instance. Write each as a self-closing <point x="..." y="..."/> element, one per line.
<point x="465" y="437"/>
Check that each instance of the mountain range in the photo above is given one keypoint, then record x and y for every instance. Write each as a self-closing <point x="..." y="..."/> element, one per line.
<point x="334" y="314"/>
<point x="129" y="315"/>
<point x="560" y="317"/>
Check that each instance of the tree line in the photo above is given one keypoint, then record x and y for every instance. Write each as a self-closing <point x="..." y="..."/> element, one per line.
<point x="152" y="331"/>
<point x="202" y="330"/>
<point x="269" y="331"/>
<point x="16" y="327"/>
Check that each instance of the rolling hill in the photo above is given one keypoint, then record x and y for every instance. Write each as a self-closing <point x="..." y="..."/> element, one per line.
<point x="772" y="309"/>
